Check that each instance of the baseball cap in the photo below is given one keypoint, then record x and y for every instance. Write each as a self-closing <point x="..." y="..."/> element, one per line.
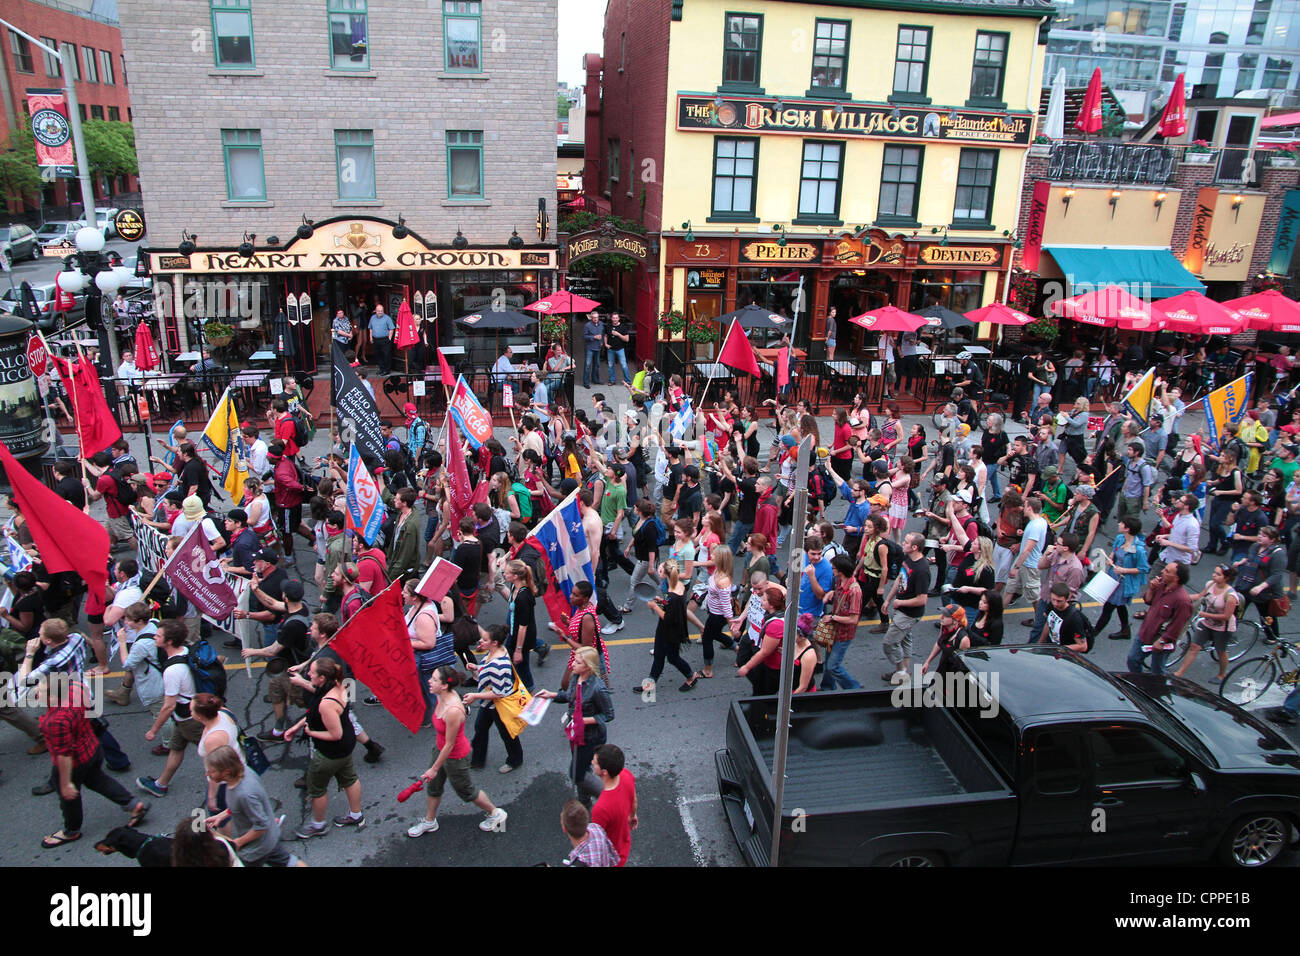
<point x="292" y="590"/>
<point x="237" y="514"/>
<point x="878" y="500"/>
<point x="267" y="555"/>
<point x="1050" y="471"/>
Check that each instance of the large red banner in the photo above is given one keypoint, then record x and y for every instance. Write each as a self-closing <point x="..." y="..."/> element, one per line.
<point x="1037" y="223"/>
<point x="50" y="127"/>
<point x="377" y="647"/>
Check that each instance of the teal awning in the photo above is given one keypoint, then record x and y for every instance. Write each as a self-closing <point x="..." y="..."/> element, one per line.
<point x="1137" y="269"/>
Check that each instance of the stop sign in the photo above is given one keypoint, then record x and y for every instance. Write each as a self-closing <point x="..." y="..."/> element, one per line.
<point x="36" y="358"/>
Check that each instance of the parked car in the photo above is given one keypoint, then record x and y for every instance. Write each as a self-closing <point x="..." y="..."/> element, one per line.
<point x="50" y="321"/>
<point x="58" y="230"/>
<point x="19" y="241"/>
<point x="1024" y="755"/>
<point x="104" y="220"/>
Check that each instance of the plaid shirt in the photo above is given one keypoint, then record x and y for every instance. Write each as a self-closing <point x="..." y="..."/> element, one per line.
<point x="596" y="850"/>
<point x="68" y="659"/>
<point x="68" y="733"/>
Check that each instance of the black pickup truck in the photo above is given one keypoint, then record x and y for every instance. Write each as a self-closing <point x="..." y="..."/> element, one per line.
<point x="1020" y="756"/>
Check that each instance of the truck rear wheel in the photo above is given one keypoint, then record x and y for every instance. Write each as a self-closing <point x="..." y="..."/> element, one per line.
<point x="1255" y="840"/>
<point x="912" y="858"/>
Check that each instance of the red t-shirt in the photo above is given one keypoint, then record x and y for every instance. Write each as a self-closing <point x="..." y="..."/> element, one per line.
<point x="843" y="434"/>
<point x="372" y="571"/>
<point x="612" y="811"/>
<point x="285" y="430"/>
<point x="106" y="485"/>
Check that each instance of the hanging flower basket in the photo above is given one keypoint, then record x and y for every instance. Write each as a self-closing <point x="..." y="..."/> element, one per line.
<point x="218" y="334"/>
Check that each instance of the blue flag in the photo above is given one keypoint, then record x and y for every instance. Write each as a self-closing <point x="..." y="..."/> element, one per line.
<point x="365" y="510"/>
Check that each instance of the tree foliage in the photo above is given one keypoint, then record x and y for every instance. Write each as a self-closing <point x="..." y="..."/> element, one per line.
<point x="606" y="261"/>
<point x="18" y="172"/>
<point x="562" y="105"/>
<point x="110" y="148"/>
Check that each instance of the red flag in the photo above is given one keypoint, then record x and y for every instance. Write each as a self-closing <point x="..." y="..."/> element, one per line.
<point x="460" y="493"/>
<point x="1089" y="118"/>
<point x="1173" y="121"/>
<point x="68" y="539"/>
<point x="377" y="646"/>
<point x="445" y="370"/>
<point x="737" y="352"/>
<point x="782" y="368"/>
<point x="96" y="428"/>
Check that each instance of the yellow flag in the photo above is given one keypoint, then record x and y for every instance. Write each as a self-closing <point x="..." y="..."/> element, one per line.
<point x="1138" y="400"/>
<point x="224" y="439"/>
<point x="1227" y="405"/>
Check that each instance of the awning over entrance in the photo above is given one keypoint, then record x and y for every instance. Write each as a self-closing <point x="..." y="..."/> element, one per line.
<point x="1138" y="269"/>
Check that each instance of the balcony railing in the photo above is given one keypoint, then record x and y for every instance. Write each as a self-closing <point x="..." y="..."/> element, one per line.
<point x="1147" y="163"/>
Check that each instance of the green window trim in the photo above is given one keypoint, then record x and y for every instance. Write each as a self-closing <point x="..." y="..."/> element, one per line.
<point x="464" y="141"/>
<point x="975" y="155"/>
<point x="814" y="217"/>
<point x="742" y="52"/>
<point x="894" y="218"/>
<point x="841" y="88"/>
<point x="348" y="11"/>
<point x="242" y="139"/>
<point x="912" y="36"/>
<point x="467" y="11"/>
<point x="354" y="139"/>
<point x="228" y="9"/>
<point x="991" y="38"/>
<point x="740" y="215"/>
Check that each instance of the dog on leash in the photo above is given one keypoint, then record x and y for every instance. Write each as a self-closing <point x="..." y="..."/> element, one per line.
<point x="147" y="850"/>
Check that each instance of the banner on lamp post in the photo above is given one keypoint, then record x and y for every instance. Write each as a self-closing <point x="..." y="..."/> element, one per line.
<point x="51" y="128"/>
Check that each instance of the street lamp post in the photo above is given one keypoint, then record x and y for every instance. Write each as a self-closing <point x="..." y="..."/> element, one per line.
<point x="96" y="278"/>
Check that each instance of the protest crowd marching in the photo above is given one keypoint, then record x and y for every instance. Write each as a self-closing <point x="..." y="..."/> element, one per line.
<point x="203" y="562"/>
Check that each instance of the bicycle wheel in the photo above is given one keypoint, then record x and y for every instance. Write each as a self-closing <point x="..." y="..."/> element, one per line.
<point x="1180" y="649"/>
<point x="1240" y="641"/>
<point x="1249" y="680"/>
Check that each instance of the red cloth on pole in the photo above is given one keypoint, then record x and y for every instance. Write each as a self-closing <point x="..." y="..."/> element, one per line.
<point x="1173" y="121"/>
<point x="96" y="427"/>
<point x="737" y="352"/>
<point x="146" y="353"/>
<point x="448" y="379"/>
<point x="1089" y="118"/>
<point x="460" y="493"/>
<point x="68" y="539"/>
<point x="783" y="368"/>
<point x="377" y="647"/>
<point x="406" y="334"/>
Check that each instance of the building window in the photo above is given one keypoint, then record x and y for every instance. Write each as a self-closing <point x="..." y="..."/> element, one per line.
<point x="464" y="164"/>
<point x="1277" y="73"/>
<point x="97" y="112"/>
<point x="349" y="35"/>
<point x="819" y="180"/>
<point x="106" y="67"/>
<point x="22" y="51"/>
<point x="900" y="177"/>
<point x="114" y="114"/>
<point x="975" y="175"/>
<point x="990" y="66"/>
<point x="88" y="61"/>
<point x="615" y="149"/>
<point x="52" y="65"/>
<point x="76" y="64"/>
<point x="830" y="55"/>
<point x="742" y="50"/>
<point x="232" y="30"/>
<point x="1247" y="63"/>
<point x="735" y="173"/>
<point x="354" y="150"/>
<point x="245" y="175"/>
<point x="462" y="30"/>
<point x="912" y="62"/>
<point x="81" y="108"/>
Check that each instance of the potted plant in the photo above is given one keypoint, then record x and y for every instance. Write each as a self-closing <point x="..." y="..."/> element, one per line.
<point x="1199" y="152"/>
<point x="218" y="334"/>
<point x="1287" y="155"/>
<point x="673" y="323"/>
<point x="1041" y="146"/>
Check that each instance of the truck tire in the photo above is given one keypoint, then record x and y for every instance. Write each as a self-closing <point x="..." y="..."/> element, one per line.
<point x="1255" y="840"/>
<point x="913" y="858"/>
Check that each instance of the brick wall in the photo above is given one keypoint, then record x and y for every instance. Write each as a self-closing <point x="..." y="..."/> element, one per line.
<point x="1275" y="183"/>
<point x="1189" y="178"/>
<point x="182" y="102"/>
<point x="634" y="107"/>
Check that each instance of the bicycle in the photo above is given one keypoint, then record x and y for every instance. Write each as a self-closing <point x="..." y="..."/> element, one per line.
<point x="980" y="409"/>
<point x="1252" y="679"/>
<point x="1240" y="642"/>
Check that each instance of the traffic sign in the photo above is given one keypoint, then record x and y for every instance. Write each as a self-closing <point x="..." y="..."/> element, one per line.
<point x="36" y="357"/>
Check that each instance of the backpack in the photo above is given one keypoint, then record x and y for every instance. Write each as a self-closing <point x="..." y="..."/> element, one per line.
<point x="984" y="531"/>
<point x="895" y="554"/>
<point x="1089" y="635"/>
<point x="296" y="654"/>
<point x="207" y="670"/>
<point x="301" y="431"/>
<point x="661" y="531"/>
<point x="821" y="486"/>
<point x="125" y="493"/>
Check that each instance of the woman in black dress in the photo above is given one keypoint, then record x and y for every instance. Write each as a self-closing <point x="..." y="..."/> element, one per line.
<point x="671" y="630"/>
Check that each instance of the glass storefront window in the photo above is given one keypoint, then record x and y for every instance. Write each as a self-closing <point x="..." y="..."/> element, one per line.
<point x="776" y="289"/>
<point x="478" y="291"/>
<point x="959" y="290"/>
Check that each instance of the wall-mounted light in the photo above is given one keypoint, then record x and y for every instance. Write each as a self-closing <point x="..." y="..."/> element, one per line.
<point x="1236" y="206"/>
<point x="934" y="230"/>
<point x="246" y="247"/>
<point x="1065" y="198"/>
<point x="515" y="241"/>
<point x="306" y="229"/>
<point x="779" y="105"/>
<point x="400" y="231"/>
<point x="895" y="114"/>
<point x="690" y="235"/>
<point x="839" y="109"/>
<point x="1114" y="201"/>
<point x="952" y="118"/>
<point x="718" y="101"/>
<point x="1014" y="236"/>
<point x="460" y="242"/>
<point x="778" y="228"/>
<point x="187" y="246"/>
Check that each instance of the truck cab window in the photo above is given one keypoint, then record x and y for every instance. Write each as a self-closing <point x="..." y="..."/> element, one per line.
<point x="1123" y="756"/>
<point x="1057" y="763"/>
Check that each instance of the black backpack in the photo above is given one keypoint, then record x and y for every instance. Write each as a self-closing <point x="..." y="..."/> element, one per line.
<point x="301" y="433"/>
<point x="1089" y="635"/>
<point x="125" y="493"/>
<point x="895" y="558"/>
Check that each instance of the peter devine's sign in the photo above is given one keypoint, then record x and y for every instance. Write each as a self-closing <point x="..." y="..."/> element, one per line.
<point x="852" y="120"/>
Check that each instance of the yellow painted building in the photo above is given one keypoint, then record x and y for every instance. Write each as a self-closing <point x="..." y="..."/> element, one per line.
<point x="873" y="150"/>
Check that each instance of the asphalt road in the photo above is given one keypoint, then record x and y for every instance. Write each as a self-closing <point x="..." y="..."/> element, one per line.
<point x="669" y="742"/>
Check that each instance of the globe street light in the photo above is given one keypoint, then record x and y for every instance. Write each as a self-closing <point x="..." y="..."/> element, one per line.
<point x="94" y="265"/>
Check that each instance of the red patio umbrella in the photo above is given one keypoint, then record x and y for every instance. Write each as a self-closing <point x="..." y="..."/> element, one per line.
<point x="146" y="353"/>
<point x="1197" y="314"/>
<point x="889" y="319"/>
<point x="563" y="301"/>
<point x="406" y="334"/>
<point x="1269" y="310"/>
<point x="1089" y="118"/>
<point x="999" y="314"/>
<point x="1173" y="121"/>
<point x="1110" y="307"/>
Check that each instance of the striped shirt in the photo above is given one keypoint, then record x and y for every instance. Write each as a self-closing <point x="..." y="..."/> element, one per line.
<point x="496" y="676"/>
